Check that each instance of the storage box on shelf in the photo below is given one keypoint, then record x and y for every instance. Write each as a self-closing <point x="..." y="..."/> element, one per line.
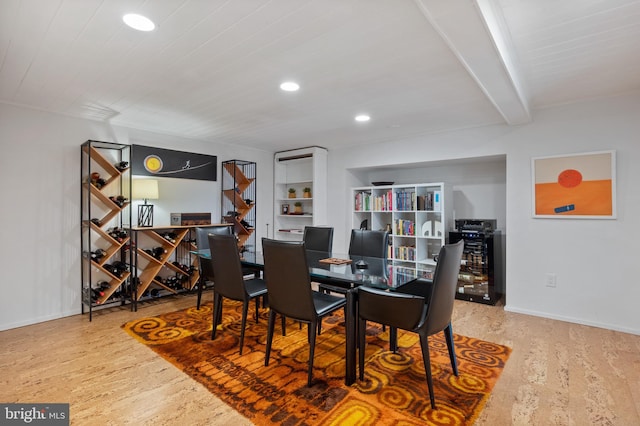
<point x="105" y="219"/>
<point x="415" y="216"/>
<point x="239" y="200"/>
<point x="300" y="191"/>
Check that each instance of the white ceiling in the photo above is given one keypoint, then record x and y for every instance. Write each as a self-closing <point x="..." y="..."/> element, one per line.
<point x="212" y="68"/>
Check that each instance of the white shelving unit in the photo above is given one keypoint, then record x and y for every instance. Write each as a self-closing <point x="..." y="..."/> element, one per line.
<point x="416" y="215"/>
<point x="299" y="169"/>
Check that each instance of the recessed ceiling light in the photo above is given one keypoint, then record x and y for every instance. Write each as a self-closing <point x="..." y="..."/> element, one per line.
<point x="289" y="86"/>
<point x="362" y="117"/>
<point x="138" y="22"/>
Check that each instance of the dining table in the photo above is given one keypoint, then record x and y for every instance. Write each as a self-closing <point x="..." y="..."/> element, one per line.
<point x="348" y="273"/>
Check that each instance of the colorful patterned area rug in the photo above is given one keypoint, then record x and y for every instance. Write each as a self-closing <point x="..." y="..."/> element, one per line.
<point x="394" y="391"/>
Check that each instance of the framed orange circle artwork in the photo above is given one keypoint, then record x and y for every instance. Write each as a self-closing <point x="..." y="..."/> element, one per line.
<point x="575" y="186"/>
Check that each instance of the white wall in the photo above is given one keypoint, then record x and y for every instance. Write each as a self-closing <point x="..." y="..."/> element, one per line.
<point x="593" y="259"/>
<point x="40" y="211"/>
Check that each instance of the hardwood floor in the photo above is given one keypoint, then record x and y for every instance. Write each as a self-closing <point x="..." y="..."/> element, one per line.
<point x="558" y="374"/>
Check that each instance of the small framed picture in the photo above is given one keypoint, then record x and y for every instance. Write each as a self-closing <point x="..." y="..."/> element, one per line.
<point x="284" y="209"/>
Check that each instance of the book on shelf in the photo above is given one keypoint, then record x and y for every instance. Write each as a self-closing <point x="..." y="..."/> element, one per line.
<point x="383" y="202"/>
<point x="437" y="201"/>
<point x="426" y="202"/>
<point x="405" y="227"/>
<point x="362" y="201"/>
<point x="405" y="200"/>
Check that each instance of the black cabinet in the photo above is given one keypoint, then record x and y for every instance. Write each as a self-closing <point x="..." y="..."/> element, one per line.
<point x="478" y="280"/>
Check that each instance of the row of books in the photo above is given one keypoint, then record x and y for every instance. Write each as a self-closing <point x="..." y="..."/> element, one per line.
<point x="404" y="201"/>
<point x="404" y="253"/>
<point x="431" y="201"/>
<point x="364" y="201"/>
<point x="404" y="227"/>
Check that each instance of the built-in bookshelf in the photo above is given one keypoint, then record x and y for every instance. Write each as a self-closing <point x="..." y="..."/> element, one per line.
<point x="300" y="191"/>
<point x="415" y="216"/>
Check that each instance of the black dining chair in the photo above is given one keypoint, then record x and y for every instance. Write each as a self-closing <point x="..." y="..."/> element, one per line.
<point x="204" y="264"/>
<point x="369" y="243"/>
<point x="286" y="272"/>
<point x="363" y="243"/>
<point x="230" y="282"/>
<point x="423" y="315"/>
<point x="318" y="238"/>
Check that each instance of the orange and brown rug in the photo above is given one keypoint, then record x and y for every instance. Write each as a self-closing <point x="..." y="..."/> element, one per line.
<point x="394" y="391"/>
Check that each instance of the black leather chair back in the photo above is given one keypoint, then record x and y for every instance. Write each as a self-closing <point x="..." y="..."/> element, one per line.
<point x="445" y="283"/>
<point x="318" y="238"/>
<point x="202" y="234"/>
<point x="287" y="276"/>
<point x="202" y="242"/>
<point x="227" y="269"/>
<point x="369" y="243"/>
<point x="398" y="310"/>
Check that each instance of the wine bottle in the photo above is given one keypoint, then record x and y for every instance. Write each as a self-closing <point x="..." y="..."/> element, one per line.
<point x="96" y="294"/>
<point x="97" y="255"/>
<point x="173" y="282"/>
<point x="118" y="200"/>
<point x="158" y="252"/>
<point x="170" y="236"/>
<point x="122" y="266"/>
<point x="97" y="181"/>
<point x="122" y="165"/>
<point x="118" y="234"/>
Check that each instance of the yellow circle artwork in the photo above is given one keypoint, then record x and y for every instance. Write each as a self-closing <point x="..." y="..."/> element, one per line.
<point x="153" y="163"/>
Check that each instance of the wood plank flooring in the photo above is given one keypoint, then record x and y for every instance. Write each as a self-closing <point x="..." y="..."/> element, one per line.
<point x="558" y="374"/>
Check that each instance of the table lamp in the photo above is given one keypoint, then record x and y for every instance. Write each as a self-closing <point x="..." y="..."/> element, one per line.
<point x="145" y="189"/>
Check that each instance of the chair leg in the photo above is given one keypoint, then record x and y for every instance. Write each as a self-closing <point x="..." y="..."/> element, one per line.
<point x="200" y="285"/>
<point x="362" y="327"/>
<point x="312" y="347"/>
<point x="257" y="308"/>
<point x="283" y="320"/>
<point x="245" y="312"/>
<point x="217" y="313"/>
<point x="270" y="327"/>
<point x="393" y="339"/>
<point x="448" y="335"/>
<point x="424" y="345"/>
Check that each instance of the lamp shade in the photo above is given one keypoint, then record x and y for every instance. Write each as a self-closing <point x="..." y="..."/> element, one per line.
<point x="145" y="189"/>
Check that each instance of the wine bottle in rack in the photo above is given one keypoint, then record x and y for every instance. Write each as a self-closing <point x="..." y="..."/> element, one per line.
<point x="98" y="255"/>
<point x="97" y="181"/>
<point x="170" y="236"/>
<point x="118" y="234"/>
<point x="96" y="294"/>
<point x="119" y="200"/>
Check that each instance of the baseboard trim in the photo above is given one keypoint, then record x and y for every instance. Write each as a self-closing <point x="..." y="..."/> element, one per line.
<point x="572" y="320"/>
<point x="32" y="321"/>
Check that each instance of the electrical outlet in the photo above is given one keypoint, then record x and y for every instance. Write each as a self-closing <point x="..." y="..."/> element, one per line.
<point x="551" y="280"/>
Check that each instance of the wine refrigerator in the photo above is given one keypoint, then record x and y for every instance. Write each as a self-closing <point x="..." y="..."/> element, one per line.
<point x="479" y="279"/>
